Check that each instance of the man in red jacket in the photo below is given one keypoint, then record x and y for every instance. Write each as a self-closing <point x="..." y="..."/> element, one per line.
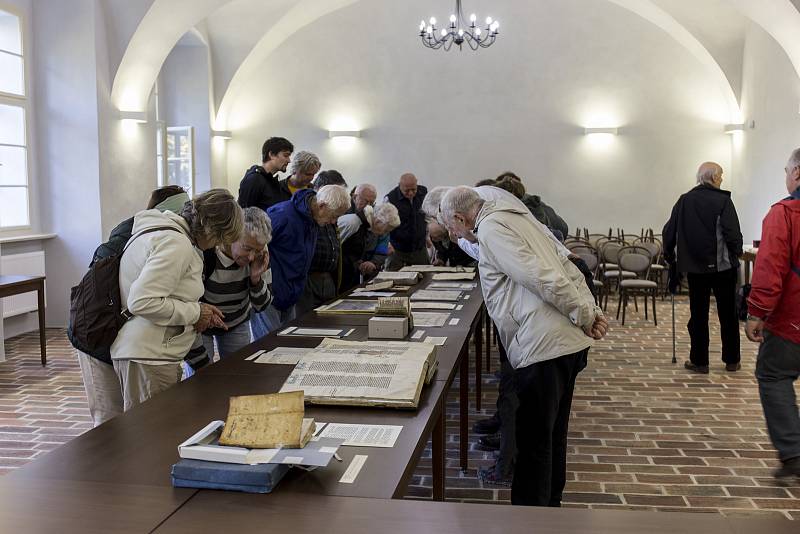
<point x="774" y="321"/>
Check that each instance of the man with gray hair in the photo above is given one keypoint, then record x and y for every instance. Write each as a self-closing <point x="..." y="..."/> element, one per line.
<point x="325" y="276"/>
<point x="236" y="278"/>
<point x="363" y="195"/>
<point x="702" y="238"/>
<point x="295" y="226"/>
<point x="546" y="319"/>
<point x="774" y="321"/>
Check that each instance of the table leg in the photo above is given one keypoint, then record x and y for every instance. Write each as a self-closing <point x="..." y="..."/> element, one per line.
<point x="438" y="453"/>
<point x="42" y="336"/>
<point x="478" y="333"/>
<point x="463" y="408"/>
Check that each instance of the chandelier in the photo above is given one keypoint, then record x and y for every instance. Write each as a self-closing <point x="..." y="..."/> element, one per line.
<point x="458" y="32"/>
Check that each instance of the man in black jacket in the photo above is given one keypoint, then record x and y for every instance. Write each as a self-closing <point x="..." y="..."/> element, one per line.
<point x="409" y="239"/>
<point x="704" y="228"/>
<point x="260" y="186"/>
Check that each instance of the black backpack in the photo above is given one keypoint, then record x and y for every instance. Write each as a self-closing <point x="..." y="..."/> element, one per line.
<point x="96" y="313"/>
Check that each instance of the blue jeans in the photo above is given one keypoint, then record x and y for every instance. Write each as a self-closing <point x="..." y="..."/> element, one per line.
<point x="269" y="320"/>
<point x="229" y="342"/>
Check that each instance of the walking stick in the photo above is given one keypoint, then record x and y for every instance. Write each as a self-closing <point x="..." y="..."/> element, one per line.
<point x="674" y="359"/>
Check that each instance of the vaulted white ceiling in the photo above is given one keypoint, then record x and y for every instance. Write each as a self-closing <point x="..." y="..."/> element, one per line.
<point x="241" y="34"/>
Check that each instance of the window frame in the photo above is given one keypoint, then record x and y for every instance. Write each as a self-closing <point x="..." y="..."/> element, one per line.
<point x="189" y="132"/>
<point x="24" y="102"/>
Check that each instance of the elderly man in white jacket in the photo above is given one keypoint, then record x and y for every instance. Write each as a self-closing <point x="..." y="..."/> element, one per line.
<point x="547" y="320"/>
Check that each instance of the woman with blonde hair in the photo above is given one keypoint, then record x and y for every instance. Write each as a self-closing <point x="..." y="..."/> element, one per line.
<point x="160" y="280"/>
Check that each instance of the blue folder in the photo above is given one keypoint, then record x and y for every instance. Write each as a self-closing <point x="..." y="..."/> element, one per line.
<point x="258" y="478"/>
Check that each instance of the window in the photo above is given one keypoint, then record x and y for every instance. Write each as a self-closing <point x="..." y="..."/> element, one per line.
<point x="180" y="157"/>
<point x="14" y="201"/>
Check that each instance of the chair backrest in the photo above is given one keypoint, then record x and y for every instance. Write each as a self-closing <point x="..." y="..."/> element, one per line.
<point x="653" y="247"/>
<point x="636" y="259"/>
<point x="610" y="251"/>
<point x="590" y="259"/>
<point x="573" y="243"/>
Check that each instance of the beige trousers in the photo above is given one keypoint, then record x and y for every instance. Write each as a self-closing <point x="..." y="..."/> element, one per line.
<point x="142" y="381"/>
<point x="103" y="392"/>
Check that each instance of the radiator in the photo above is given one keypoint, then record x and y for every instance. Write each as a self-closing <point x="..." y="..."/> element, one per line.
<point x="29" y="263"/>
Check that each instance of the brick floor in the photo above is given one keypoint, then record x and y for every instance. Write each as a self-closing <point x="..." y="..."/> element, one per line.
<point x="644" y="434"/>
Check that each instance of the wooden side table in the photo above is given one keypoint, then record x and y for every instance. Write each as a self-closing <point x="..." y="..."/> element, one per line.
<point x="14" y="285"/>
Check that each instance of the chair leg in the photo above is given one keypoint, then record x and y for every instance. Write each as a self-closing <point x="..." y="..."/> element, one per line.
<point x="619" y="303"/>
<point x="635" y="303"/>
<point x="645" y="306"/>
<point x="655" y="319"/>
<point x="624" y="297"/>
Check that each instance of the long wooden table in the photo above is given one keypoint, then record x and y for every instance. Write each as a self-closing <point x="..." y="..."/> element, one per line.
<point x="140" y="446"/>
<point x="11" y="285"/>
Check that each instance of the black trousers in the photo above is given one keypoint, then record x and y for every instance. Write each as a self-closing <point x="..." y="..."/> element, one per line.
<point x="507" y="404"/>
<point x="723" y="284"/>
<point x="544" y="391"/>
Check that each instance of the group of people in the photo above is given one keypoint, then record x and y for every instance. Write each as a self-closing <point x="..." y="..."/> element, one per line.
<point x="205" y="275"/>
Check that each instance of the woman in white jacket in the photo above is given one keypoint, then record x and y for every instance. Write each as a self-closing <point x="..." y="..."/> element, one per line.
<point x="160" y="281"/>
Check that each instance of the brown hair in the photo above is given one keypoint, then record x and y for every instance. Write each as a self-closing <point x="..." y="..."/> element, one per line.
<point x="214" y="214"/>
<point x="163" y="193"/>
<point x="512" y="186"/>
<point x="509" y="174"/>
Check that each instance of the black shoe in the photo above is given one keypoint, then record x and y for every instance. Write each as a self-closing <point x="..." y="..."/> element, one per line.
<point x="489" y="476"/>
<point x="790" y="468"/>
<point x="702" y="369"/>
<point x="733" y="367"/>
<point x="487" y="426"/>
<point x="489" y="443"/>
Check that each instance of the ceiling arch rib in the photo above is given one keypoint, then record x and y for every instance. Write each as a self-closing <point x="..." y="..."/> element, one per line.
<point x="657" y="16"/>
<point x="307" y="11"/>
<point x="780" y="19"/>
<point x="161" y="28"/>
<point x="304" y="13"/>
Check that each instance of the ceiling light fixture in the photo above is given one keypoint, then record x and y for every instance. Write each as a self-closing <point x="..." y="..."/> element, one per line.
<point x="460" y="30"/>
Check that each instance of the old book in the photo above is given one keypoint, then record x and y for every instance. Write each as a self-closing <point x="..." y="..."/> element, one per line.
<point x="378" y="286"/>
<point x="348" y="306"/>
<point x="372" y="373"/>
<point x="267" y="422"/>
<point x="437" y="269"/>
<point x="406" y="278"/>
<point x="454" y="276"/>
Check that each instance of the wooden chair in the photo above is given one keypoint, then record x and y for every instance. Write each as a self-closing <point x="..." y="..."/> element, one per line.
<point x="636" y="259"/>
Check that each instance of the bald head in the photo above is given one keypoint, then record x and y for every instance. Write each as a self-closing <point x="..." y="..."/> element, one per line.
<point x="364" y="195"/>
<point x="408" y="185"/>
<point x="710" y="173"/>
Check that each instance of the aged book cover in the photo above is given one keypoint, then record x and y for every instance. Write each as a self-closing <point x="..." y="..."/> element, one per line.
<point x="267" y="422"/>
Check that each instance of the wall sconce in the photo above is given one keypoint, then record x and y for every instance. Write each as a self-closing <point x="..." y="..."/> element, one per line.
<point x="343" y="133"/>
<point x="222" y="134"/>
<point x="139" y="117"/>
<point x="608" y="131"/>
<point x="733" y="128"/>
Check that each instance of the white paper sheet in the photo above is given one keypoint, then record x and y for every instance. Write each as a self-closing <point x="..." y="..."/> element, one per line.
<point x="283" y="355"/>
<point x="353" y="469"/>
<point x="436" y="340"/>
<point x="355" y="435"/>
<point x="424" y="305"/>
<point x="372" y="294"/>
<point x="430" y="319"/>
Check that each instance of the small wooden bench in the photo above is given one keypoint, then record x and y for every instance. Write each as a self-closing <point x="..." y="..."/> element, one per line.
<point x="11" y="285"/>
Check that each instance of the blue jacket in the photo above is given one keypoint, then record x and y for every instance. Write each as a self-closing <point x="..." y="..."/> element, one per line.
<point x="294" y="238"/>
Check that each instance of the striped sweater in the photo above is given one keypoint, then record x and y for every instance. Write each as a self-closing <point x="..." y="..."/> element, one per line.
<point x="228" y="288"/>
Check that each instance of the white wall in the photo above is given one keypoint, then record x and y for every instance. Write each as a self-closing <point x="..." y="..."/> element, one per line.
<point x="771" y="97"/>
<point x="520" y="105"/>
<point x="184" y="78"/>
<point x="67" y="141"/>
